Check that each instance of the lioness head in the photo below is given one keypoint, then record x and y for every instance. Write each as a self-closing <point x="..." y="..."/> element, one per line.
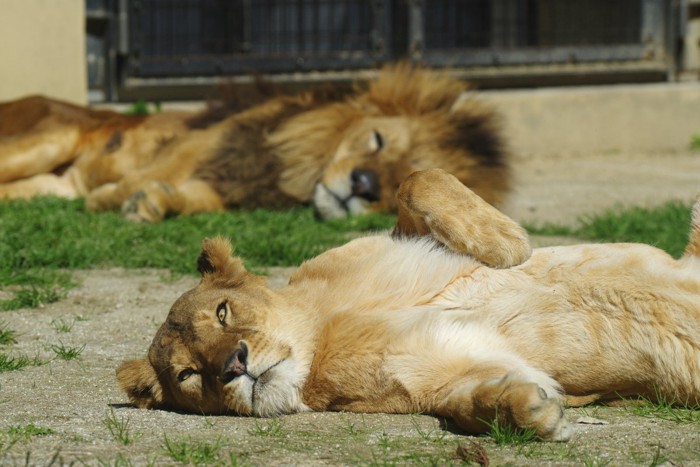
<point x="225" y="347"/>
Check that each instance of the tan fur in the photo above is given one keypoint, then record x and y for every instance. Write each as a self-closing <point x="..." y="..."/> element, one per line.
<point x="452" y="315"/>
<point x="287" y="150"/>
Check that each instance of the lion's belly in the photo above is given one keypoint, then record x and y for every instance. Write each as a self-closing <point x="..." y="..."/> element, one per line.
<point x="566" y="313"/>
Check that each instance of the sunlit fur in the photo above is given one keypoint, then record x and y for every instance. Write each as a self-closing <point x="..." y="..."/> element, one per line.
<point x="284" y="151"/>
<point x="427" y="320"/>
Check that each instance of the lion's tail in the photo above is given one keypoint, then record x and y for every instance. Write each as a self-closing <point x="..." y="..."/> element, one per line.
<point x="693" y="247"/>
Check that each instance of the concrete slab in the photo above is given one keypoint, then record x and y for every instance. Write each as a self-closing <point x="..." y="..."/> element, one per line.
<point x="597" y="119"/>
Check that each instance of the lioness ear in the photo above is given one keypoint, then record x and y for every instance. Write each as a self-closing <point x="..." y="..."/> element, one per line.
<point x="216" y="261"/>
<point x="139" y="380"/>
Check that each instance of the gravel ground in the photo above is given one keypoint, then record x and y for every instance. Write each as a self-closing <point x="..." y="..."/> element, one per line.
<point x="113" y="314"/>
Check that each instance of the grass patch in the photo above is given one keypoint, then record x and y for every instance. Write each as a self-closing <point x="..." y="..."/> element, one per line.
<point x="7" y="336"/>
<point x="65" y="352"/>
<point x="505" y="434"/>
<point x="62" y="326"/>
<point x="33" y="289"/>
<point x="272" y="428"/>
<point x="433" y="435"/>
<point x="665" y="227"/>
<point x="10" y="363"/>
<point x="695" y="142"/>
<point x="119" y="428"/>
<point x="665" y="409"/>
<point x="26" y="432"/>
<point x="188" y="452"/>
<point x="17" y="433"/>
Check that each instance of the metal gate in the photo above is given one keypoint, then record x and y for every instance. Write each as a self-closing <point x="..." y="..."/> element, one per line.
<point x="200" y="39"/>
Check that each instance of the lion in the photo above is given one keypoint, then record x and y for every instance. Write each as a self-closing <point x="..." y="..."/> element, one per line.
<point x="344" y="152"/>
<point x="452" y="314"/>
<point x="51" y="147"/>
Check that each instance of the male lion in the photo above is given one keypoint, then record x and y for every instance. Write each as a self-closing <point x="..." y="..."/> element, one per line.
<point x="452" y="315"/>
<point x="344" y="152"/>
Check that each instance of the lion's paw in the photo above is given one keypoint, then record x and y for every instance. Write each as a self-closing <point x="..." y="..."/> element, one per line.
<point x="140" y="208"/>
<point x="531" y="407"/>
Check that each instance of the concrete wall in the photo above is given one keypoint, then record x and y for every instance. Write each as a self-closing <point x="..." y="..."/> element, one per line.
<point x="42" y="49"/>
<point x="583" y="120"/>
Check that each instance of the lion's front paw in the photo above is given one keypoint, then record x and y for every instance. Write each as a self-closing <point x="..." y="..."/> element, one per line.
<point x="518" y="402"/>
<point x="548" y="419"/>
<point x="527" y="405"/>
<point x="150" y="204"/>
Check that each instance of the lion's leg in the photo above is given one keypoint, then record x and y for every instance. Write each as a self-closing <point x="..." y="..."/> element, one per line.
<point x="433" y="202"/>
<point x="157" y="199"/>
<point x="39" y="185"/>
<point x="36" y="152"/>
<point x="511" y="399"/>
<point x="112" y="195"/>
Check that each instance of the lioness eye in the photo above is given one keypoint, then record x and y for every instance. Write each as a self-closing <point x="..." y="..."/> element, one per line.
<point x="221" y="312"/>
<point x="184" y="374"/>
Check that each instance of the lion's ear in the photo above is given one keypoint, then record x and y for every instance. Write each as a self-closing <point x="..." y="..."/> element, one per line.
<point x="216" y="262"/>
<point x="139" y="380"/>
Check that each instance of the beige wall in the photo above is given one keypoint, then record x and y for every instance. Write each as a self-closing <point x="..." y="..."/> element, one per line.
<point x="42" y="49"/>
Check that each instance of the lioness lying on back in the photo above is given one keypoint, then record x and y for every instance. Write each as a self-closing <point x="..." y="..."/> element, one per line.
<point x="451" y="315"/>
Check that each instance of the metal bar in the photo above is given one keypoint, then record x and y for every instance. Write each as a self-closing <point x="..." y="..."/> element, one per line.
<point x="416" y="31"/>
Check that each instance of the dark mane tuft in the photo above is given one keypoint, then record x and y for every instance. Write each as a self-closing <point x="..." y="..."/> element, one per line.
<point x="478" y="133"/>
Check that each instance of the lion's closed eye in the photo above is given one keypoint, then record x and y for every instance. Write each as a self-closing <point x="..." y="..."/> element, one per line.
<point x="376" y="141"/>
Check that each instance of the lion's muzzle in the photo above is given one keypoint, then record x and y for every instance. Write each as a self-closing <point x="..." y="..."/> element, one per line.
<point x="365" y="184"/>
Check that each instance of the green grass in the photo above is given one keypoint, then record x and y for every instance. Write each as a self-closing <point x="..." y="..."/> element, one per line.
<point x="504" y="434"/>
<point x="272" y="428"/>
<point x="65" y="352"/>
<point x="191" y="452"/>
<point x="119" y="428"/>
<point x="17" y="433"/>
<point x="665" y="409"/>
<point x="33" y="289"/>
<point x="62" y="326"/>
<point x="14" y="363"/>
<point x="7" y="336"/>
<point x="665" y="227"/>
<point x="695" y="142"/>
<point x="26" y="432"/>
<point x="434" y="435"/>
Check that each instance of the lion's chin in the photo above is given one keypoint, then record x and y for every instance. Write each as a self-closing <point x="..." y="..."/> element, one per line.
<point x="275" y="392"/>
<point x="329" y="204"/>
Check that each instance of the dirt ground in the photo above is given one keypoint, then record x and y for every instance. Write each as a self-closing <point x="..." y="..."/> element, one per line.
<point x="114" y="313"/>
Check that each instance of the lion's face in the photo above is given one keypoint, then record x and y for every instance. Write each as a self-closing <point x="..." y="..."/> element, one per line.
<point x="372" y="159"/>
<point x="219" y="350"/>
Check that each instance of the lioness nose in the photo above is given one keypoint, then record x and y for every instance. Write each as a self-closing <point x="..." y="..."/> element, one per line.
<point x="365" y="184"/>
<point x="235" y="365"/>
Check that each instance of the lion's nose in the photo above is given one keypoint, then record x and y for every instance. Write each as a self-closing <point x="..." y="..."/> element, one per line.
<point x="365" y="184"/>
<point x="235" y="365"/>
